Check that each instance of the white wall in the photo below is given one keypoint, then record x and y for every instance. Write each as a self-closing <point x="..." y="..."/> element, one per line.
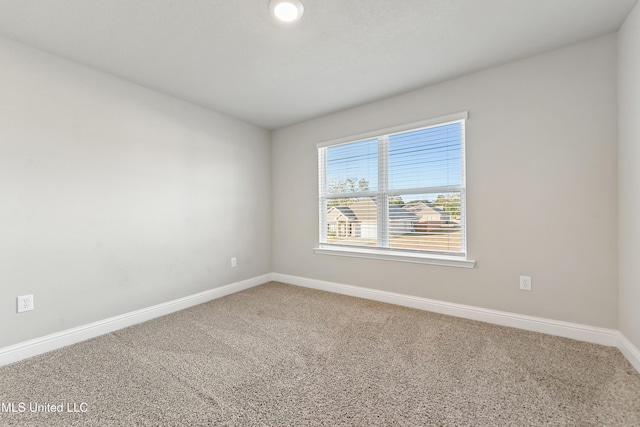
<point x="629" y="175"/>
<point x="115" y="197"/>
<point x="542" y="188"/>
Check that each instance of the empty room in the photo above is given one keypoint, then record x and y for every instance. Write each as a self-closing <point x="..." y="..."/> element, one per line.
<point x="322" y="213"/>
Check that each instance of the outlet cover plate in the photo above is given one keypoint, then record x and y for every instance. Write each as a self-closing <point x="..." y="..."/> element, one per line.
<point x="525" y="283"/>
<point x="25" y="303"/>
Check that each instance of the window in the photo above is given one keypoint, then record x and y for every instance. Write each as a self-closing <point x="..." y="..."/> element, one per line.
<point x="396" y="193"/>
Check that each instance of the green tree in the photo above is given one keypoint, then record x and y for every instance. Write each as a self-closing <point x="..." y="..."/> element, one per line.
<point x="449" y="202"/>
<point x="440" y="201"/>
<point x="345" y="185"/>
<point x="396" y="200"/>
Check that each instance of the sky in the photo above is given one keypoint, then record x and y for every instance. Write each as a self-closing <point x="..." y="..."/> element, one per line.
<point x="428" y="157"/>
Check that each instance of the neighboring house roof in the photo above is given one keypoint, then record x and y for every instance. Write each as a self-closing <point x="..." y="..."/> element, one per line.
<point x="421" y="209"/>
<point x="366" y="211"/>
<point x="418" y="206"/>
<point x="344" y="211"/>
<point x="397" y="213"/>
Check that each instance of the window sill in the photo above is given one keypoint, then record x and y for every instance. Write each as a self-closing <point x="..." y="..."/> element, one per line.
<point x="390" y="255"/>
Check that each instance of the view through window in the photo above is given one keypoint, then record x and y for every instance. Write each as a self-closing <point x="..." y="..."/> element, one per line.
<point x="402" y="190"/>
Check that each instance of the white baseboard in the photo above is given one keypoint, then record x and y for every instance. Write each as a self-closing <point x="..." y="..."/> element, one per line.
<point x="575" y="331"/>
<point x="609" y="337"/>
<point x="631" y="352"/>
<point x="24" y="350"/>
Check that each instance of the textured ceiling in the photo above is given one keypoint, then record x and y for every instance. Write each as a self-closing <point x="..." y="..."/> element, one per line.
<point x="232" y="57"/>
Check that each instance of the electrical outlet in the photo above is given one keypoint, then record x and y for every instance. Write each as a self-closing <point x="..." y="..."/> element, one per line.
<point x="25" y="303"/>
<point x="233" y="262"/>
<point x="525" y="283"/>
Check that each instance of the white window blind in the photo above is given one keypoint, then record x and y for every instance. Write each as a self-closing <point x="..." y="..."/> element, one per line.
<point x="401" y="190"/>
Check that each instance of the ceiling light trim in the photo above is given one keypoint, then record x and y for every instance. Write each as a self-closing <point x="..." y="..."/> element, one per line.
<point x="286" y="11"/>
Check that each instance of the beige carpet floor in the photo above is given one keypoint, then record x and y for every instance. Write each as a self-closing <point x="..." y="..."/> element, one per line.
<point x="278" y="355"/>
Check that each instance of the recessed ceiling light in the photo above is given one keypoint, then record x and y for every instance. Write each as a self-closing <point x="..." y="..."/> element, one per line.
<point x="286" y="10"/>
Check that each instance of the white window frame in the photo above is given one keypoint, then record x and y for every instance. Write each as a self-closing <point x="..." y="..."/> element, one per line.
<point x="384" y="252"/>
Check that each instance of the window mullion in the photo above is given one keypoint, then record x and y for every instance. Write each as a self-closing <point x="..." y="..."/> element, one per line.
<point x="353" y="195"/>
<point x="322" y="180"/>
<point x="422" y="190"/>
<point x="463" y="223"/>
<point x="383" y="187"/>
<point x="463" y="189"/>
